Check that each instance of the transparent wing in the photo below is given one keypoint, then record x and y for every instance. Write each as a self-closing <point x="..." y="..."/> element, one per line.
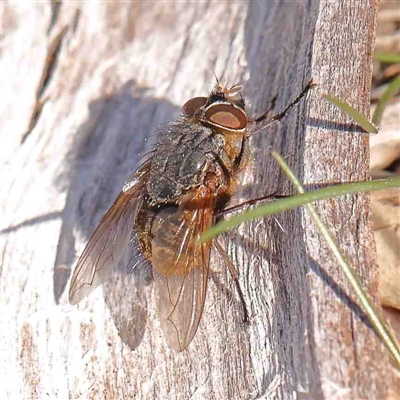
<point x="180" y="270"/>
<point x="107" y="243"/>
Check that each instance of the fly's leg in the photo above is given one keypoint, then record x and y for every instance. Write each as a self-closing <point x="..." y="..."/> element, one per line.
<point x="269" y="121"/>
<point x="263" y="199"/>
<point x="279" y="116"/>
<point x="269" y="112"/>
<point x="267" y="199"/>
<point x="235" y="276"/>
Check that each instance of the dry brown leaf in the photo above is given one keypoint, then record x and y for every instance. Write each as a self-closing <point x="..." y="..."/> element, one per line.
<point x="386" y="217"/>
<point x="385" y="161"/>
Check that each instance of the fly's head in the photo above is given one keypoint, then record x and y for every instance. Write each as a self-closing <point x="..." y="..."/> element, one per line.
<point x="223" y="110"/>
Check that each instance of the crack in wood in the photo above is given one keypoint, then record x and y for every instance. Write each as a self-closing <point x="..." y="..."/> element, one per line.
<point x="48" y="72"/>
<point x="55" y="12"/>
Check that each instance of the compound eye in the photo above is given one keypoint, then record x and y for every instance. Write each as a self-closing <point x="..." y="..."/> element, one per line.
<point x="227" y="116"/>
<point x="192" y="105"/>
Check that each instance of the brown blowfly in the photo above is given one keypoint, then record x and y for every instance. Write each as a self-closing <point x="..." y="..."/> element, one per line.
<point x="175" y="195"/>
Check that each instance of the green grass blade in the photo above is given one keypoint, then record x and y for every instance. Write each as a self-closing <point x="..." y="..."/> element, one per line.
<point x="391" y="91"/>
<point x="300" y="200"/>
<point x="388" y="339"/>
<point x="387" y="58"/>
<point x="359" y="118"/>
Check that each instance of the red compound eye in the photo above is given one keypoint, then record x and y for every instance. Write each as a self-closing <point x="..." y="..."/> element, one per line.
<point x="192" y="105"/>
<point x="227" y="116"/>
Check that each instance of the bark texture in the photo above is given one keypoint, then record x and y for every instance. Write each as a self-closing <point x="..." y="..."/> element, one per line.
<point x="84" y="83"/>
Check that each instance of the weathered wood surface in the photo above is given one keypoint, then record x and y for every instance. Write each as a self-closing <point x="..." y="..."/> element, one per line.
<point x="83" y="84"/>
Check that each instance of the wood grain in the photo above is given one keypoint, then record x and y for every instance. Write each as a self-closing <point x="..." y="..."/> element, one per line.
<point x="84" y="84"/>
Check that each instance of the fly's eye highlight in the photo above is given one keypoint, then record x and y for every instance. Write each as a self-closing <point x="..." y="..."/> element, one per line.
<point x="227" y="116"/>
<point x="192" y="105"/>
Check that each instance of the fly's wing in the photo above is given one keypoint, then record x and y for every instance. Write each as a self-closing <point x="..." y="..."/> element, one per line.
<point x="107" y="243"/>
<point x="180" y="270"/>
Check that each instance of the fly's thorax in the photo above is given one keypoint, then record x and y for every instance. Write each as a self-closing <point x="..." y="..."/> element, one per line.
<point x="184" y="155"/>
